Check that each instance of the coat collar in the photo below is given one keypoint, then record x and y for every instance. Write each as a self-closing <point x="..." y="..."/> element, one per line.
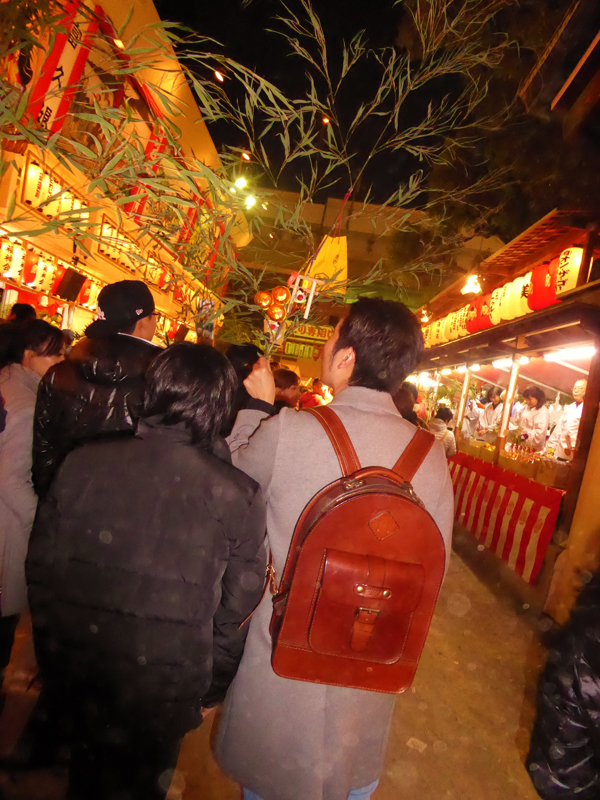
<point x="366" y="400"/>
<point x="24" y="376"/>
<point x="151" y="427"/>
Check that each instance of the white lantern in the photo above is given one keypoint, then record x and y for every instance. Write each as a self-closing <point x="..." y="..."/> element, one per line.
<point x="426" y="331"/>
<point x="506" y="308"/>
<point x="526" y="289"/>
<point x="48" y="269"/>
<point x="568" y="268"/>
<point x="516" y="297"/>
<point x="462" y="316"/>
<point x="495" y="300"/>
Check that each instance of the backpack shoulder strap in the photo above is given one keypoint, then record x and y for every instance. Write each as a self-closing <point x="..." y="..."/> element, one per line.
<point x="338" y="436"/>
<point x="414" y="455"/>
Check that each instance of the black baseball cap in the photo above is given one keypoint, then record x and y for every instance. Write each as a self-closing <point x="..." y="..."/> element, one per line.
<point x="121" y="305"/>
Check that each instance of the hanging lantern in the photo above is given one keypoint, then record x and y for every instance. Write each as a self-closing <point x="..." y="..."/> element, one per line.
<point x="52" y="208"/>
<point x="263" y="299"/>
<point x="47" y="268"/>
<point x="506" y="309"/>
<point x="461" y="320"/>
<point x="485" y="313"/>
<point x="36" y="185"/>
<point x="543" y="286"/>
<point x="473" y="315"/>
<point x="84" y="292"/>
<point x="449" y="326"/>
<point x="526" y="290"/>
<point x="567" y="272"/>
<point x="276" y="312"/>
<point x="6" y="258"/>
<point x="516" y="297"/>
<point x="30" y="267"/>
<point x="281" y="294"/>
<point x="495" y="300"/>
<point x="426" y="331"/>
<point x="92" y="300"/>
<point x="60" y="271"/>
<point x="16" y="263"/>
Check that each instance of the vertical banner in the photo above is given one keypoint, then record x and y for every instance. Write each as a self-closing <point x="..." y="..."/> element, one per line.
<point x="157" y="144"/>
<point x="53" y="92"/>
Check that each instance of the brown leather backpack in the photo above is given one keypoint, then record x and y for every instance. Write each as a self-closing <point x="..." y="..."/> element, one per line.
<point x="362" y="575"/>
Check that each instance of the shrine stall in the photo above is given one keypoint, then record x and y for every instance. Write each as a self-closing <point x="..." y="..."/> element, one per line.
<point x="518" y="362"/>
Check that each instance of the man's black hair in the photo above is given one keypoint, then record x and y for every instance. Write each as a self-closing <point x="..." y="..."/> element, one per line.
<point x="36" y="335"/>
<point x="193" y="384"/>
<point x="444" y="414"/>
<point x="539" y="394"/>
<point x="21" y="312"/>
<point x="387" y="341"/>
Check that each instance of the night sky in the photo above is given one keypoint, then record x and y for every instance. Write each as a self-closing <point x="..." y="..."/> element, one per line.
<point x="243" y="32"/>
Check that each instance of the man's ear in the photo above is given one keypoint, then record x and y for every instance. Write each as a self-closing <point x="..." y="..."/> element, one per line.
<point x="347" y="358"/>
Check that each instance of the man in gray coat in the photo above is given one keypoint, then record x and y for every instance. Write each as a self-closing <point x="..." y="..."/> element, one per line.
<point x="290" y="740"/>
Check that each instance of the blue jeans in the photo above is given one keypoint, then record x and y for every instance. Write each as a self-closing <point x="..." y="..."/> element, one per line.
<point x="356" y="794"/>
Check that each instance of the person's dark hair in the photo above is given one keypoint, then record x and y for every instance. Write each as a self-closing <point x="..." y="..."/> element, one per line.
<point x="387" y="341"/>
<point x="285" y="379"/>
<point x="404" y="402"/>
<point x="242" y="358"/>
<point x="444" y="414"/>
<point x="193" y="384"/>
<point x="21" y="312"/>
<point x="34" y="334"/>
<point x="539" y="394"/>
<point x="495" y="391"/>
<point x="410" y="387"/>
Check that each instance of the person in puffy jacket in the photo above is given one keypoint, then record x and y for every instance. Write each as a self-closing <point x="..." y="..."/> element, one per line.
<point x="564" y="755"/>
<point x="146" y="557"/>
<point x="439" y="427"/>
<point x="99" y="388"/>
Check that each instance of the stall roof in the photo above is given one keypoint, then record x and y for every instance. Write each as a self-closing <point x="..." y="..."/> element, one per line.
<point x="546" y="238"/>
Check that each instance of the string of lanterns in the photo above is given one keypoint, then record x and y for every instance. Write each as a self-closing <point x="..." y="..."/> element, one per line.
<point x="538" y="289"/>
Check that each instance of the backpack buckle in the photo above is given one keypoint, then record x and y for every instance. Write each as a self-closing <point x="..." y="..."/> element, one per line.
<point x="353" y="483"/>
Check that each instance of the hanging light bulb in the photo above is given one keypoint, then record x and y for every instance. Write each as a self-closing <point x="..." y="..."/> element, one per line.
<point x="326" y="120"/>
<point x="240" y="183"/>
<point x="250" y="201"/>
<point x="472" y="285"/>
<point x="245" y="156"/>
<point x="424" y="317"/>
<point x="219" y="76"/>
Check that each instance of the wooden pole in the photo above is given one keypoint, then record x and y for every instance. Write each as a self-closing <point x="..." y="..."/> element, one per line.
<point x="510" y="395"/>
<point x="464" y="396"/>
<point x="588" y="255"/>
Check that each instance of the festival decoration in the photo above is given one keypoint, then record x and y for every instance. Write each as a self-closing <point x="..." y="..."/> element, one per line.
<point x="276" y="312"/>
<point x="531" y="292"/>
<point x="281" y="294"/>
<point x="263" y="299"/>
<point x="567" y="270"/>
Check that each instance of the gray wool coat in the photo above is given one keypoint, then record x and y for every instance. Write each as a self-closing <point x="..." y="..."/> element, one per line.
<point x="18" y="501"/>
<point x="290" y="740"/>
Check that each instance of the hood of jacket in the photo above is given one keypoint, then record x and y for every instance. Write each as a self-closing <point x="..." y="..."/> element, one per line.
<point x="438" y="427"/>
<point x="112" y="360"/>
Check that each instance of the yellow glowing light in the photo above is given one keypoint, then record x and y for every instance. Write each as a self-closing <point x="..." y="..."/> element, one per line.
<point x="446" y="372"/>
<point x="571" y="352"/>
<point x="250" y="201"/>
<point x="245" y="156"/>
<point x="219" y="76"/>
<point x="326" y="120"/>
<point x="461" y="369"/>
<point x="119" y="44"/>
<point x="264" y="205"/>
<point x="271" y="236"/>
<point x="502" y="363"/>
<point x="475" y="367"/>
<point x="472" y="285"/>
<point x="523" y="360"/>
<point x="424" y="317"/>
<point x="232" y="190"/>
<point x="240" y="183"/>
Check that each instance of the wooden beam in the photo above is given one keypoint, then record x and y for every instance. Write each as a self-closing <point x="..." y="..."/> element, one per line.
<point x="588" y="255"/>
<point x="589" y="415"/>
<point x="582" y="107"/>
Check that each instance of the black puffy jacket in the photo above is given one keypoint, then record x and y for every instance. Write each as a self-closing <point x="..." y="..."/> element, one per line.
<point x="564" y="756"/>
<point x="98" y="389"/>
<point x="146" y="556"/>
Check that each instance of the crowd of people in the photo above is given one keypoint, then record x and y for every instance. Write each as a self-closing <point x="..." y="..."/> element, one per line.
<point x="134" y="532"/>
<point x="136" y="538"/>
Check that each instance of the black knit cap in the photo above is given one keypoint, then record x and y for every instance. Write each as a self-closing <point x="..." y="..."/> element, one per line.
<point x="121" y="305"/>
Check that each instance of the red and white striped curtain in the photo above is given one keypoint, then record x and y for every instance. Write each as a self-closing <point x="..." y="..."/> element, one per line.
<point x="508" y="513"/>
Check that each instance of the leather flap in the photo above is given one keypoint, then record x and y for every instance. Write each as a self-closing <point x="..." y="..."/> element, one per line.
<point x="355" y="579"/>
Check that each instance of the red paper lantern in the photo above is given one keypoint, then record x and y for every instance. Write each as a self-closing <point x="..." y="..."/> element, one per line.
<point x="543" y="286"/>
<point x="60" y="271"/>
<point x="30" y="266"/>
<point x="473" y="315"/>
<point x="485" y="310"/>
<point x="84" y="292"/>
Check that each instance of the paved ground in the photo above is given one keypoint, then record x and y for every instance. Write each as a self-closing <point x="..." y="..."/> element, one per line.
<point x="461" y="733"/>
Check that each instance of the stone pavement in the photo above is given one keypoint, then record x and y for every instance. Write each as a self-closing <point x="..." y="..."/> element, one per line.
<point x="460" y="733"/>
